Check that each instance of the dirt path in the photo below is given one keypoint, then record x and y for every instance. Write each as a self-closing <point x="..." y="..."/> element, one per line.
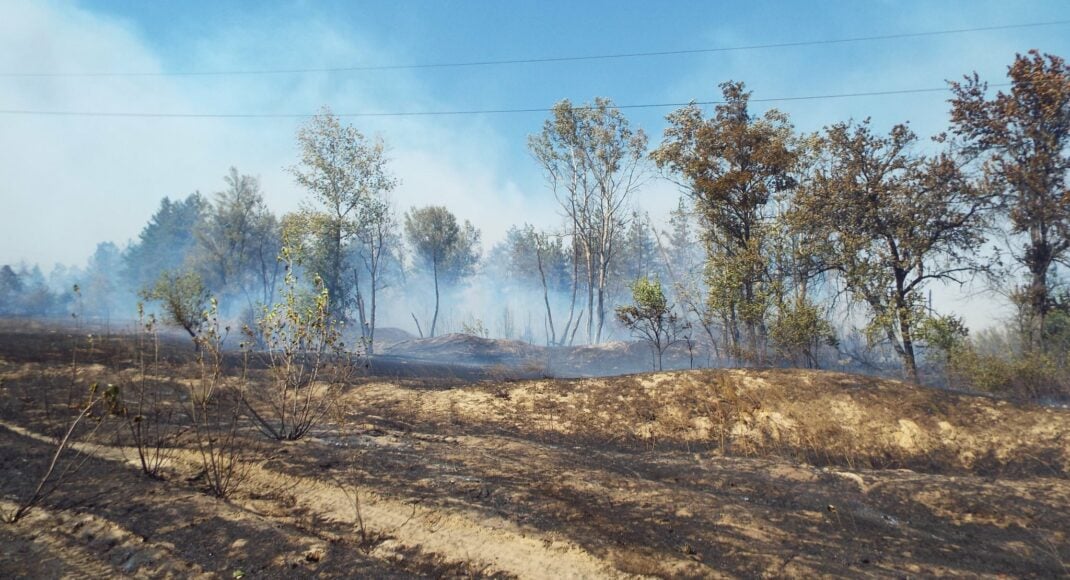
<point x="492" y="545"/>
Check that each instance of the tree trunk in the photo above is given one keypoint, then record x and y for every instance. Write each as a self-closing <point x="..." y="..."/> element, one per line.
<point x="572" y="304"/>
<point x="1038" y="258"/>
<point x="434" y="320"/>
<point x="590" y="296"/>
<point x="371" y="328"/>
<point x="552" y="337"/>
<point x="910" y="363"/>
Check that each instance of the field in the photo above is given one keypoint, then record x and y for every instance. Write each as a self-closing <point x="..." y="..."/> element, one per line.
<point x="427" y="469"/>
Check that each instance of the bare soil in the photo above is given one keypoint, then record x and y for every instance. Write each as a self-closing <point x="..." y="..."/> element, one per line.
<point x="704" y="474"/>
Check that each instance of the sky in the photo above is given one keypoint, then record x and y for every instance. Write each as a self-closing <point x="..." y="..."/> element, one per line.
<point x="69" y="182"/>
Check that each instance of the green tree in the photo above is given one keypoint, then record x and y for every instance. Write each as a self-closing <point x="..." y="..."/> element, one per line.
<point x="944" y="337"/>
<point x="651" y="317"/>
<point x="890" y="222"/>
<point x="166" y="243"/>
<point x="798" y="331"/>
<point x="731" y="165"/>
<point x="443" y="246"/>
<point x="344" y="172"/>
<point x="184" y="298"/>
<point x="102" y="281"/>
<point x="1023" y="137"/>
<point x="238" y="242"/>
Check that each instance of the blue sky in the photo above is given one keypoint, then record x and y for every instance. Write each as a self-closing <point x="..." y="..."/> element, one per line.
<point x="71" y="182"/>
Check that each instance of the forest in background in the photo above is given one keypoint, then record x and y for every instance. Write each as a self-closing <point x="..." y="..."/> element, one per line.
<point x="786" y="249"/>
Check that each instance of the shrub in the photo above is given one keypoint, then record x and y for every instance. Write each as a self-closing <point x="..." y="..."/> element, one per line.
<point x="306" y="359"/>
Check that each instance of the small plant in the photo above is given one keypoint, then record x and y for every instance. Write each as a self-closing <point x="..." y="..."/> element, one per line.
<point x="945" y="336"/>
<point x="146" y="414"/>
<point x="475" y="327"/>
<point x="651" y="317"/>
<point x="306" y="359"/>
<point x="184" y="298"/>
<point x="215" y="423"/>
<point x="62" y="468"/>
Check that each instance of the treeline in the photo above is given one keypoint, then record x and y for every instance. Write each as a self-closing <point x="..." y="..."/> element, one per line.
<point x="786" y="248"/>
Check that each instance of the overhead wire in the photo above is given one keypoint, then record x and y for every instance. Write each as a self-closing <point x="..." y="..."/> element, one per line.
<point x="522" y="61"/>
<point x="129" y="114"/>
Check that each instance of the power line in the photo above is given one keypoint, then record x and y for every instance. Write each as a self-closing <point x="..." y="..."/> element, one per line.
<point x="516" y="61"/>
<point x="45" y="113"/>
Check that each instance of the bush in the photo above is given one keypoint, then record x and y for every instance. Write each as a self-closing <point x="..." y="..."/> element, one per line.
<point x="307" y="363"/>
<point x="1032" y="375"/>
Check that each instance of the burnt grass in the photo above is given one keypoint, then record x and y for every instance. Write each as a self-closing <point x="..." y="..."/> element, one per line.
<point x="653" y="501"/>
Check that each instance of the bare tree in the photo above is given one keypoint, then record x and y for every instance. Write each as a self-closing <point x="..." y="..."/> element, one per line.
<point x="593" y="161"/>
<point x="379" y="253"/>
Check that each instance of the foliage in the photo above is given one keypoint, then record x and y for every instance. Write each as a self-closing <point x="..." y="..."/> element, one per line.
<point x="593" y="161"/>
<point x="184" y="299"/>
<point x="238" y="241"/>
<point x="1028" y="375"/>
<point x="475" y="327"/>
<point x="166" y="243"/>
<point x="799" y="330"/>
<point x="1023" y="138"/>
<point x="651" y="317"/>
<point x="528" y="258"/>
<point x="889" y="222"/>
<point x="442" y="245"/>
<point x="345" y="173"/>
<point x="24" y="292"/>
<point x="306" y="360"/>
<point x="731" y="165"/>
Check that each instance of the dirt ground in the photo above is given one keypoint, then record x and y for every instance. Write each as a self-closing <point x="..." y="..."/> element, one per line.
<point x="703" y="474"/>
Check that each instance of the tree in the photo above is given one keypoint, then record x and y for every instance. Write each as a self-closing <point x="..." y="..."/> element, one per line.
<point x="238" y="242"/>
<point x="593" y="161"/>
<point x="683" y="258"/>
<point x="638" y="255"/>
<point x="184" y="299"/>
<point x="889" y="222"/>
<point x="102" y="285"/>
<point x="652" y="317"/>
<point x="1023" y="137"/>
<point x="440" y="244"/>
<point x="944" y="336"/>
<point x="344" y="172"/>
<point x="799" y="329"/>
<point x="166" y="243"/>
<point x="11" y="288"/>
<point x="379" y="252"/>
<point x="731" y="165"/>
<point x="529" y="258"/>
